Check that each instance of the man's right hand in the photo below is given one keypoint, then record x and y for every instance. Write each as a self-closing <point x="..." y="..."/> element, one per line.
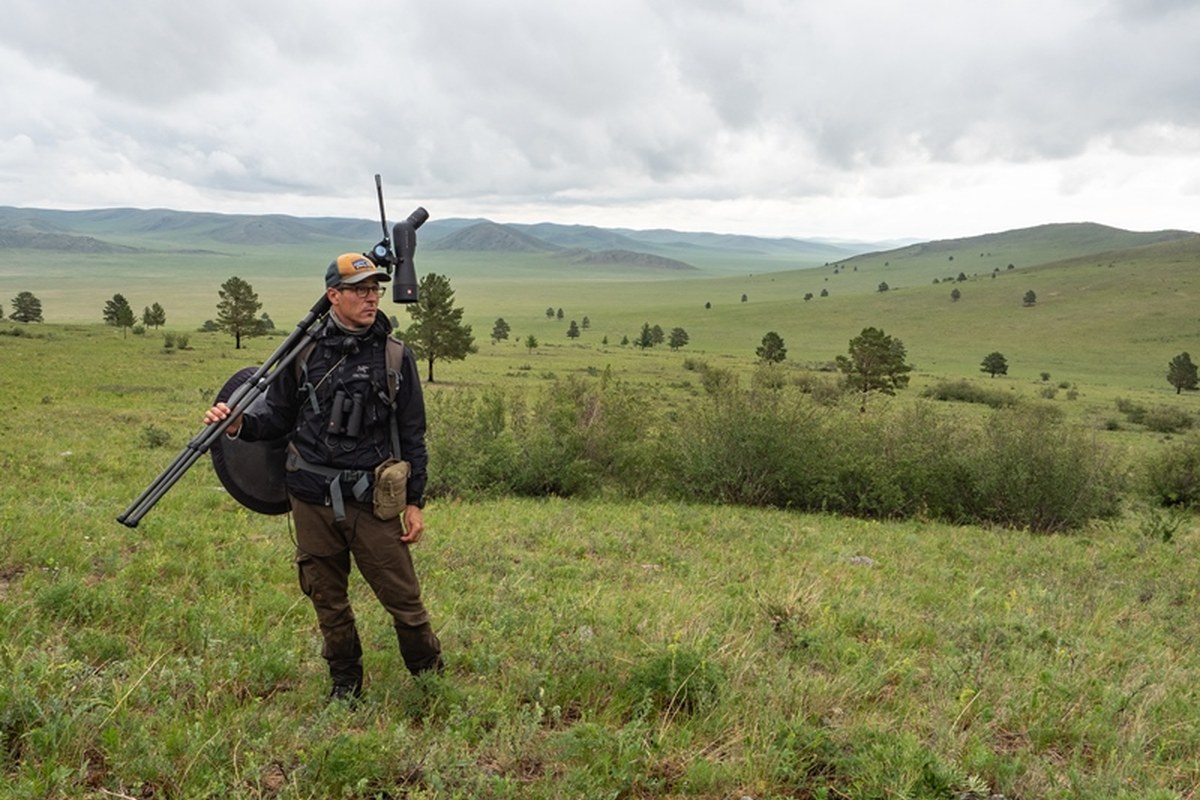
<point x="219" y="412"/>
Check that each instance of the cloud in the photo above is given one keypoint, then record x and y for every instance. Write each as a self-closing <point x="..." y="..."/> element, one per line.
<point x="292" y="106"/>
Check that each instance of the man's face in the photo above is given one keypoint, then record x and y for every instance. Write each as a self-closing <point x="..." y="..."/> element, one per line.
<point x="356" y="305"/>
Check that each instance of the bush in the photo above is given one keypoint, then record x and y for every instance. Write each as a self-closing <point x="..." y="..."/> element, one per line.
<point x="1164" y="419"/>
<point x="731" y="450"/>
<point x="964" y="391"/>
<point x="823" y="390"/>
<point x="574" y="438"/>
<point x="1022" y="467"/>
<point x="1172" y="477"/>
<point x="1133" y="412"/>
<point x="1031" y="471"/>
<point x="907" y="463"/>
<point x="718" y="381"/>
<point x="769" y="377"/>
<point x="471" y="449"/>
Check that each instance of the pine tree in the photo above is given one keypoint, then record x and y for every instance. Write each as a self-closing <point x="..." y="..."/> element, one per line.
<point x="154" y="316"/>
<point x="646" y="339"/>
<point x="771" y="351"/>
<point x="994" y="364"/>
<point x="500" y="330"/>
<point x="26" y="308"/>
<point x="237" y="313"/>
<point x="1181" y="373"/>
<point x="119" y="313"/>
<point x="437" y="330"/>
<point x="876" y="363"/>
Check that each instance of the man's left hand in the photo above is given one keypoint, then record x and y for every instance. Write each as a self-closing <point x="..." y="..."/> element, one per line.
<point x="414" y="525"/>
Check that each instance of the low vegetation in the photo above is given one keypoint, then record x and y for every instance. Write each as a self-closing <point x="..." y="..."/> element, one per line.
<point x="1019" y="467"/>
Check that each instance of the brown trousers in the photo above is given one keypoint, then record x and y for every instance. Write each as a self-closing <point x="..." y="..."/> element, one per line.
<point x="323" y="550"/>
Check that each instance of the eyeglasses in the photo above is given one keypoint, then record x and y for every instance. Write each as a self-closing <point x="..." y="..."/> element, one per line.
<point x="363" y="292"/>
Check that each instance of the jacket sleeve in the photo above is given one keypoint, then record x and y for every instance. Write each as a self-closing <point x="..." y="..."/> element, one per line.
<point x="410" y="423"/>
<point x="272" y="415"/>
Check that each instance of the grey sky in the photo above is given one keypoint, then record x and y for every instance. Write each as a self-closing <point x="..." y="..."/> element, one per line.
<point x="856" y="119"/>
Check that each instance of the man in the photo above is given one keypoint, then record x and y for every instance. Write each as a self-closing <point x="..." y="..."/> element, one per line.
<point x="346" y="410"/>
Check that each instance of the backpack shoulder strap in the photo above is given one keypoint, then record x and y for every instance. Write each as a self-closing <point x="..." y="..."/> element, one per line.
<point x="302" y="381"/>
<point x="394" y="357"/>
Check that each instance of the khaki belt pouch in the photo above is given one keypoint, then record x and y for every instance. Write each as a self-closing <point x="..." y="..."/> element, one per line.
<point x="391" y="488"/>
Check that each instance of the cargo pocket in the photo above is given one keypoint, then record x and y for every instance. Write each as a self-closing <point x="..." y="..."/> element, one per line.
<point x="304" y="565"/>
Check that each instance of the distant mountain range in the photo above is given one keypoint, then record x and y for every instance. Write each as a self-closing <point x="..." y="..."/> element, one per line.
<point x="120" y="230"/>
<point x="128" y="230"/>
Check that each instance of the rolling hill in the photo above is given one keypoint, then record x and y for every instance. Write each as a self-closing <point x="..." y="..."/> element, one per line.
<point x="1105" y="287"/>
<point x="164" y="230"/>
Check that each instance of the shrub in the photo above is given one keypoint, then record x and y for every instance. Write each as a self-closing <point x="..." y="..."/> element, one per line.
<point x="1172" y="477"/>
<point x="22" y="333"/>
<point x="471" y="448"/>
<point x="1031" y="471"/>
<point x="731" y="450"/>
<point x="904" y="463"/>
<point x="822" y="390"/>
<point x="965" y="391"/>
<point x="1165" y="419"/>
<point x="153" y="437"/>
<point x="768" y="377"/>
<point x="1021" y="467"/>
<point x="679" y="679"/>
<point x="716" y="380"/>
<point x="574" y="438"/>
<point x="1133" y="412"/>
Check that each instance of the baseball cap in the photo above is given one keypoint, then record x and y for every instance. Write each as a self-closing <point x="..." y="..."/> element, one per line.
<point x="352" y="268"/>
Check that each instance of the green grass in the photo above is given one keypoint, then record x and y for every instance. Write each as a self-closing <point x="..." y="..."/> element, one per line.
<point x="602" y="648"/>
<point x="596" y="648"/>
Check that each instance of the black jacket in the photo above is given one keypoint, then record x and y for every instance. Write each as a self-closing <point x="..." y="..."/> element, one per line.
<point x="344" y="368"/>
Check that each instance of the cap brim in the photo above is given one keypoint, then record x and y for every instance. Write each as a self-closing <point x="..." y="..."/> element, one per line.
<point x="362" y="276"/>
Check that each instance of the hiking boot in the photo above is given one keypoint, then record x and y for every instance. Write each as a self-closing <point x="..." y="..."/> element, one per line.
<point x="346" y="675"/>
<point x="420" y="649"/>
<point x="348" y="692"/>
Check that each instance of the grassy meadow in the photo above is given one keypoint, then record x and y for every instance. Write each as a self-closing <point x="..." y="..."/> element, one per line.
<point x="602" y="647"/>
